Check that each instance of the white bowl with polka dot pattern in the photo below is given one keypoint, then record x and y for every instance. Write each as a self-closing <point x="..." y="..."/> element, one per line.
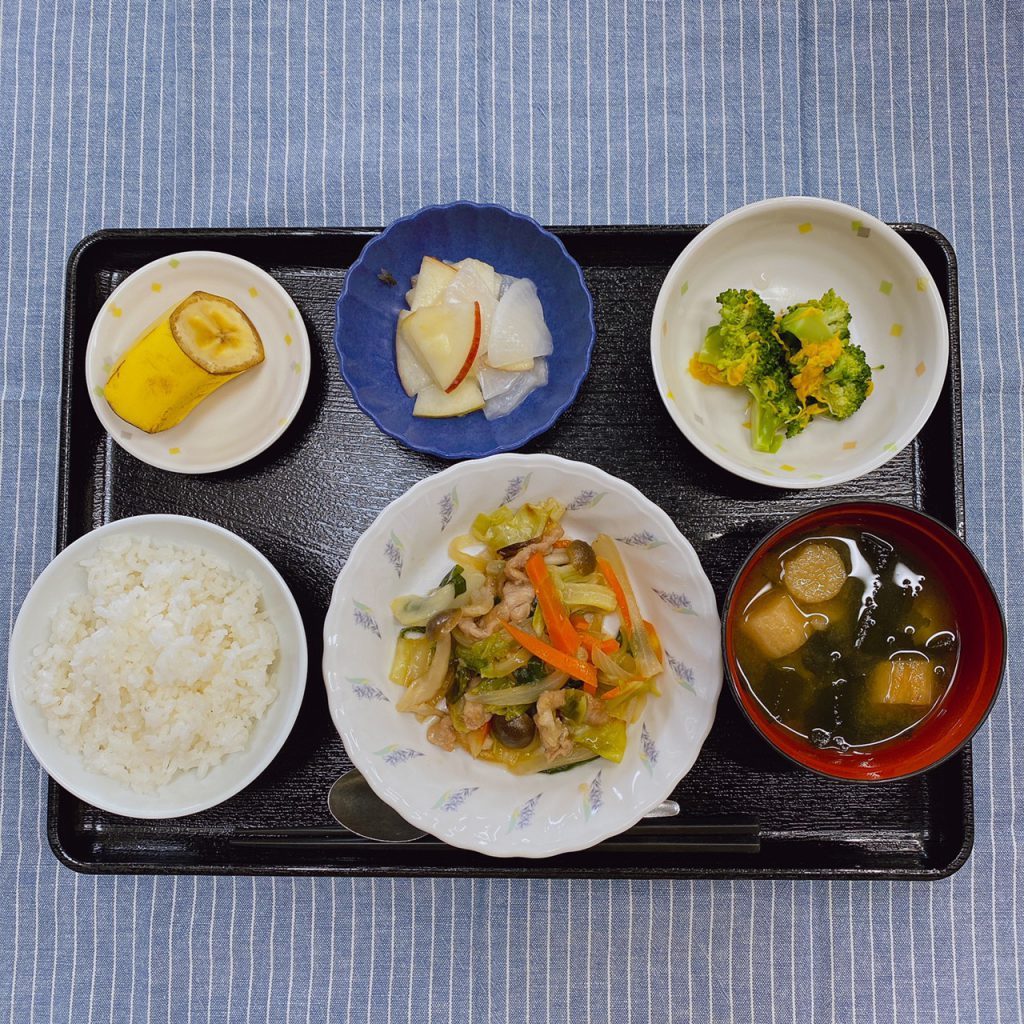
<point x="788" y="250"/>
<point x="239" y="420"/>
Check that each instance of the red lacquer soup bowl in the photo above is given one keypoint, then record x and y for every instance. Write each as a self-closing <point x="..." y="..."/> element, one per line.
<point x="976" y="680"/>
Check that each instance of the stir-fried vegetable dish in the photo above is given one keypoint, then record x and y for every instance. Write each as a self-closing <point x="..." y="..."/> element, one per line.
<point x="532" y="651"/>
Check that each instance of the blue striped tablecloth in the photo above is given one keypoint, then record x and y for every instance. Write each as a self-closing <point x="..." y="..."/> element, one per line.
<point x="151" y="112"/>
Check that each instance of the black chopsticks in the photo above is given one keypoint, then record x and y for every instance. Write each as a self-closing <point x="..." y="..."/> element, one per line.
<point x="735" y="833"/>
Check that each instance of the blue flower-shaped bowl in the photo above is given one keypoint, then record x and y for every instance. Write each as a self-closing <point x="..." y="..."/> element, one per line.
<point x="368" y="309"/>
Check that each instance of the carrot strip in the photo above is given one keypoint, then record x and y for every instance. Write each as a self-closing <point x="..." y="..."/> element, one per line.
<point x="609" y="646"/>
<point x="619" y="690"/>
<point x="620" y="595"/>
<point x="563" y="543"/>
<point x="552" y="656"/>
<point x="475" y="739"/>
<point x="559" y="628"/>
<point x="609" y="694"/>
<point x="655" y="641"/>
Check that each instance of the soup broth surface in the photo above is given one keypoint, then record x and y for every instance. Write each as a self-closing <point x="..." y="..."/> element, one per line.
<point x="846" y="638"/>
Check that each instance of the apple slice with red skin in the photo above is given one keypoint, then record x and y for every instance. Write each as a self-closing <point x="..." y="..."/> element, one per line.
<point x="411" y="372"/>
<point x="433" y="403"/>
<point x="431" y="281"/>
<point x="445" y="338"/>
<point x="473" y="349"/>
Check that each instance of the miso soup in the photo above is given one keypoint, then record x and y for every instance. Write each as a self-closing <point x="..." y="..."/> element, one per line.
<point x="846" y="638"/>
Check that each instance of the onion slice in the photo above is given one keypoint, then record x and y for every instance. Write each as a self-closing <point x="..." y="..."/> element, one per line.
<point x="429" y="685"/>
<point x="612" y="669"/>
<point x="538" y="761"/>
<point x="512" y="696"/>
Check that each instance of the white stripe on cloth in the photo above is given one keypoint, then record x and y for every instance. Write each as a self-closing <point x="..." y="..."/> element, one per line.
<point x="155" y="113"/>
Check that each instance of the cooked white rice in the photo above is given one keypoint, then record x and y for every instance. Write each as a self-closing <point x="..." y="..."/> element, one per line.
<point x="163" y="666"/>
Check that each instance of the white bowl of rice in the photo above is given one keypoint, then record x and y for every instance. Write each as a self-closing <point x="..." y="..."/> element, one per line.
<point x="157" y="666"/>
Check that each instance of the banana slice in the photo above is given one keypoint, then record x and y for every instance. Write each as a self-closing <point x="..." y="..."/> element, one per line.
<point x="200" y="345"/>
<point x="215" y="334"/>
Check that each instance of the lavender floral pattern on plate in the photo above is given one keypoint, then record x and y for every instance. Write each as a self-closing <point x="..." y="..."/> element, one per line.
<point x="475" y="804"/>
<point x="365" y="690"/>
<point x="642" y="539"/>
<point x="395" y="755"/>
<point x="683" y="673"/>
<point x="516" y="486"/>
<point x="648" y="750"/>
<point x="393" y="553"/>
<point x="585" y="499"/>
<point x="453" y="799"/>
<point x="447" y="506"/>
<point x="363" y="616"/>
<point x="677" y="602"/>
<point x="522" y="817"/>
<point x="591" y="797"/>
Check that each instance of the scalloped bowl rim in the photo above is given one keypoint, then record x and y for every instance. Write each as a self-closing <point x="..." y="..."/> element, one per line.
<point x="533" y="432"/>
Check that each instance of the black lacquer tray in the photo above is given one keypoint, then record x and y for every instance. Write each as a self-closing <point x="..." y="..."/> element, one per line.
<point x="304" y="502"/>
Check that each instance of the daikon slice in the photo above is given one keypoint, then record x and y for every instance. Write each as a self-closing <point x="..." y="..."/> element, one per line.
<point x="518" y="331"/>
<point x="484" y="271"/>
<point x="515" y="388"/>
<point x="496" y="382"/>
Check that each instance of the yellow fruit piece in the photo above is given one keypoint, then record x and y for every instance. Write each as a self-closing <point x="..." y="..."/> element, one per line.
<point x="215" y="333"/>
<point x="203" y="342"/>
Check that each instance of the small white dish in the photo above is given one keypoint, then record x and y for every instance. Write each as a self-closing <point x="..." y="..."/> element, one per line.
<point x="239" y="420"/>
<point x="788" y="250"/>
<point x="474" y="804"/>
<point x="186" y="794"/>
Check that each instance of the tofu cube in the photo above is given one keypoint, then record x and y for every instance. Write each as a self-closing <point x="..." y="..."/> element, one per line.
<point x="902" y="681"/>
<point x="776" y="625"/>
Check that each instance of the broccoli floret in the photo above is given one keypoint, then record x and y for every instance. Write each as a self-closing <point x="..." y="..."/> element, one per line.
<point x="837" y="313"/>
<point x="775" y="410"/>
<point x="744" y="351"/>
<point x="742" y="339"/>
<point x="816" y="321"/>
<point x="846" y="383"/>
<point x="829" y="371"/>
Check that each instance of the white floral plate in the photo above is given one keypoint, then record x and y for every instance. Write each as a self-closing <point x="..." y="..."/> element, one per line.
<point x="239" y="420"/>
<point x="473" y="804"/>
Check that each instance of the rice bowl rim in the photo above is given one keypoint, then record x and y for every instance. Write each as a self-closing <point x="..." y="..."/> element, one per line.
<point x="230" y="777"/>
